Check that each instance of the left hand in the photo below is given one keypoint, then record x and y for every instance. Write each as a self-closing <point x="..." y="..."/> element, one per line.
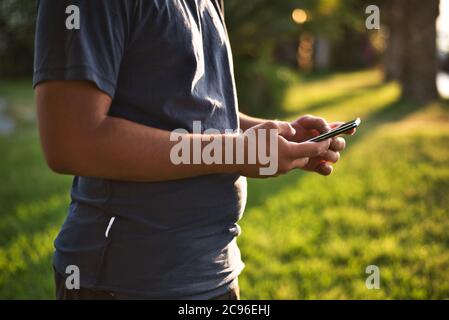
<point x="308" y="127"/>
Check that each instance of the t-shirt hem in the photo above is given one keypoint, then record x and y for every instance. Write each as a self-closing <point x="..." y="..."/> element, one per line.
<point x="74" y="73"/>
<point x="125" y="294"/>
<point x="122" y="293"/>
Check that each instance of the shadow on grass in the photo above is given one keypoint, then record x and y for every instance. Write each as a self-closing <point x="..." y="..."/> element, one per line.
<point x="323" y="103"/>
<point x="389" y="113"/>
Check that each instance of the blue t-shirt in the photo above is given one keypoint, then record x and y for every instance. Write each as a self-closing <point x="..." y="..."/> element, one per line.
<point x="165" y="63"/>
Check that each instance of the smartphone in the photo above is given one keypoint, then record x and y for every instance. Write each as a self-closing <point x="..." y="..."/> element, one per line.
<point x="339" y="130"/>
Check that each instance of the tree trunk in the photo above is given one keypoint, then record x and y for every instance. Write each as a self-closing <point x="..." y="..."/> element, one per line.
<point x="394" y="16"/>
<point x="419" y="66"/>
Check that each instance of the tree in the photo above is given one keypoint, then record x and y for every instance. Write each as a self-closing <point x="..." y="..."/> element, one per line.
<point x="418" y="77"/>
<point x="411" y="54"/>
<point x="261" y="29"/>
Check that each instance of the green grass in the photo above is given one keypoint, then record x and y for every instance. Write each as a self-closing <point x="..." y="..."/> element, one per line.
<point x="304" y="236"/>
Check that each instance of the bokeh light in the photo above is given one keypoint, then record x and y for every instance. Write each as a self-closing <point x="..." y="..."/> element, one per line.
<point x="299" y="16"/>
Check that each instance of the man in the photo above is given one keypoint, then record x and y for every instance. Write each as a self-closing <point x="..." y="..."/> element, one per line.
<point x="108" y="95"/>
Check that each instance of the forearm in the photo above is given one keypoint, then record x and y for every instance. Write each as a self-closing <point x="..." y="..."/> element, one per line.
<point x="123" y="150"/>
<point x="80" y="138"/>
<point x="247" y="122"/>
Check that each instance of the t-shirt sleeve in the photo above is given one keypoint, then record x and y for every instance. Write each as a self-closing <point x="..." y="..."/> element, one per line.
<point x="91" y="52"/>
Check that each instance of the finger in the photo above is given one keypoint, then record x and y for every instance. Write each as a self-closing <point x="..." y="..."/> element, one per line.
<point x="311" y="122"/>
<point x="324" y="169"/>
<point x="331" y="156"/>
<point x="337" y="124"/>
<point x="313" y="163"/>
<point x="337" y="144"/>
<point x="285" y="129"/>
<point x="350" y="132"/>
<point x="309" y="149"/>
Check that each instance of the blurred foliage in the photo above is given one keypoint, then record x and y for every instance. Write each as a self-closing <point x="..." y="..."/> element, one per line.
<point x="262" y="86"/>
<point x="385" y="204"/>
<point x="263" y="36"/>
<point x="17" y="20"/>
<point x="296" y="242"/>
<point x="258" y="27"/>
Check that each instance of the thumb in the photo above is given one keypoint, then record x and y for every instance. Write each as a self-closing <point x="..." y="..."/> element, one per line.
<point x="285" y="129"/>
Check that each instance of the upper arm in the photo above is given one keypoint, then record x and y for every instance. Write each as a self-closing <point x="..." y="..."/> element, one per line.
<point x="93" y="52"/>
<point x="68" y="112"/>
<point x="76" y="71"/>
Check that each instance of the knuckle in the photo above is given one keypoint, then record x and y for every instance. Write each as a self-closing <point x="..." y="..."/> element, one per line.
<point x="319" y="151"/>
<point x="332" y="156"/>
<point x="271" y="124"/>
<point x="320" y="120"/>
<point x="307" y="116"/>
<point x="339" y="144"/>
<point x="322" y="151"/>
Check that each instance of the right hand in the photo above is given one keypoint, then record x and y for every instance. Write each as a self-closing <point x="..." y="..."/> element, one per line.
<point x="290" y="155"/>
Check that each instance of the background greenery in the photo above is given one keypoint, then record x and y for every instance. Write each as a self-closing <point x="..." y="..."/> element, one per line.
<point x="304" y="236"/>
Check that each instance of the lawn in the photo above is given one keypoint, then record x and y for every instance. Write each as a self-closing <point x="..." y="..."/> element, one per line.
<point x="304" y="236"/>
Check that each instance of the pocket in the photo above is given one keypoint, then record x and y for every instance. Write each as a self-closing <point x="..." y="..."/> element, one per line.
<point x="82" y="241"/>
<point x="102" y="265"/>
